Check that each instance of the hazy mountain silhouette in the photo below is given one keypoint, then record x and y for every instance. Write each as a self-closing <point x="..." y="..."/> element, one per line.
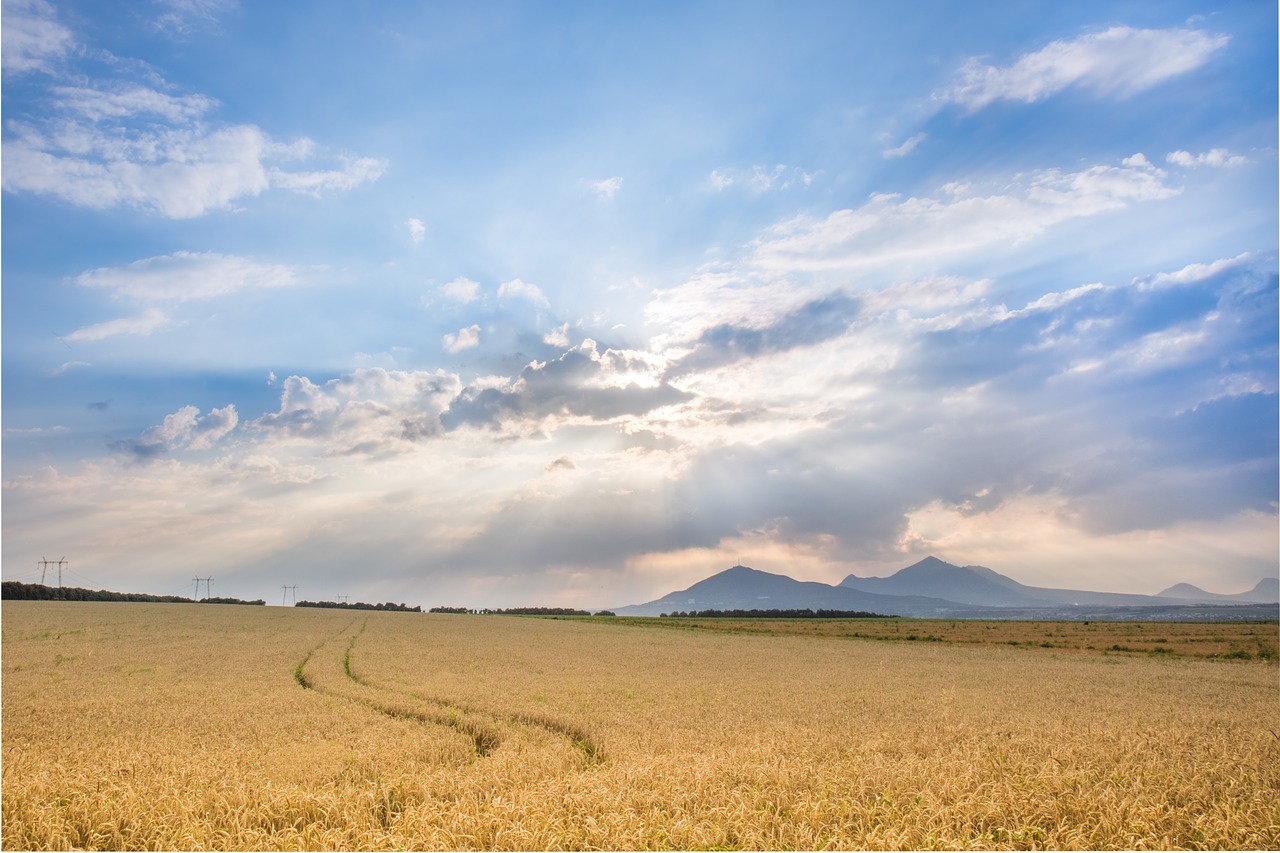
<point x="1266" y="591"/>
<point x="931" y="587"/>
<point x="743" y="588"/>
<point x="983" y="587"/>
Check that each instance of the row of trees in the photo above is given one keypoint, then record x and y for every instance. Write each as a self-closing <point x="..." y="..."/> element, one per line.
<point x="360" y="605"/>
<point x="522" y="611"/>
<point x="774" y="614"/>
<point x="18" y="591"/>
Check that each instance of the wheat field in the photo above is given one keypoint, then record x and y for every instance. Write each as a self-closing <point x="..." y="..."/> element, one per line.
<point x="160" y="726"/>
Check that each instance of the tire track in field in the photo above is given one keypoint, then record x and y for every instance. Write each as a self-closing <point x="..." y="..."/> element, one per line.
<point x="580" y="739"/>
<point x="484" y="739"/>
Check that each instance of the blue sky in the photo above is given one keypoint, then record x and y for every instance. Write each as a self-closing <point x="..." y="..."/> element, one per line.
<point x="578" y="303"/>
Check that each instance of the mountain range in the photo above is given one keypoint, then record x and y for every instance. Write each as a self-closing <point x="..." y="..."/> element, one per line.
<point x="934" y="588"/>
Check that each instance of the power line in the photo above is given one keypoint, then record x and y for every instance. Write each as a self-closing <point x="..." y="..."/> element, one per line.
<point x="45" y="564"/>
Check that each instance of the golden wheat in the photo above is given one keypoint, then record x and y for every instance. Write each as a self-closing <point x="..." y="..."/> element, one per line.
<point x="136" y="726"/>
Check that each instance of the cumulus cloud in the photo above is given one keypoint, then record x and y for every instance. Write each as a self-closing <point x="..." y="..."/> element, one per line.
<point x="578" y="384"/>
<point x="517" y="289"/>
<point x="186" y="429"/>
<point x="184" y="276"/>
<point x="1215" y="158"/>
<point x="464" y="339"/>
<point x="558" y="337"/>
<point x="369" y="410"/>
<point x="417" y="229"/>
<point x="461" y="290"/>
<point x="1117" y="62"/>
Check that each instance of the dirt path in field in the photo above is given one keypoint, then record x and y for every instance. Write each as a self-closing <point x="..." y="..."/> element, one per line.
<point x="318" y="669"/>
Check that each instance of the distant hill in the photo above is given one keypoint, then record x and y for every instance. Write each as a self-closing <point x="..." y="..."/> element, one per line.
<point x="983" y="587"/>
<point x="933" y="587"/>
<point x="1266" y="591"/>
<point x="744" y="588"/>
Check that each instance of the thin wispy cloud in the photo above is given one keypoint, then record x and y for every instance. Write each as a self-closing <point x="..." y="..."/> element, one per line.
<point x="906" y="147"/>
<point x="1116" y="62"/>
<point x="32" y="38"/>
<point x="606" y="187"/>
<point x="185" y="276"/>
<point x="140" y="325"/>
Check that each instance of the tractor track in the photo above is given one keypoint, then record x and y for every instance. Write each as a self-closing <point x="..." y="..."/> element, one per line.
<point x="476" y="724"/>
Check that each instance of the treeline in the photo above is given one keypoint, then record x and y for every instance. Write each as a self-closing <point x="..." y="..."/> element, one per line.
<point x="774" y="614"/>
<point x="521" y="611"/>
<point x="18" y="591"/>
<point x="360" y="605"/>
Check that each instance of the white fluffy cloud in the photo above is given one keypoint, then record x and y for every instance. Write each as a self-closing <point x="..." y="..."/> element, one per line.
<point x="368" y="410"/>
<point x="461" y="290"/>
<point x="1216" y="158"/>
<point x="187" y="428"/>
<point x="1118" y="62"/>
<point x="417" y="229"/>
<point x="464" y="339"/>
<point x="517" y="289"/>
<point x="184" y="276"/>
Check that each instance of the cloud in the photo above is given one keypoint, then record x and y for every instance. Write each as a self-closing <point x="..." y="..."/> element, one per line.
<point x="31" y="39"/>
<point x="181" y="17"/>
<point x="185" y="276"/>
<point x="813" y="322"/>
<point x="1216" y="158"/>
<point x="577" y="385"/>
<point x="606" y="188"/>
<point x="96" y="105"/>
<point x="558" y="337"/>
<point x="890" y="230"/>
<point x="417" y="229"/>
<point x="461" y="290"/>
<point x="186" y="429"/>
<point x="517" y="289"/>
<point x="141" y="325"/>
<point x="69" y="365"/>
<point x="906" y="147"/>
<point x="1117" y="62"/>
<point x="369" y="410"/>
<point x="464" y="339"/>
<point x="124" y="143"/>
<point x="761" y="179"/>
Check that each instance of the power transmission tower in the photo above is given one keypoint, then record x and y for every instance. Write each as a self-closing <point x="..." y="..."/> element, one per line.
<point x="287" y="590"/>
<point x="45" y="564"/>
<point x="208" y="587"/>
<point x="343" y="598"/>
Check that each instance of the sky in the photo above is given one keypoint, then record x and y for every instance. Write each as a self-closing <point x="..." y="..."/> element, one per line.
<point x="577" y="303"/>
